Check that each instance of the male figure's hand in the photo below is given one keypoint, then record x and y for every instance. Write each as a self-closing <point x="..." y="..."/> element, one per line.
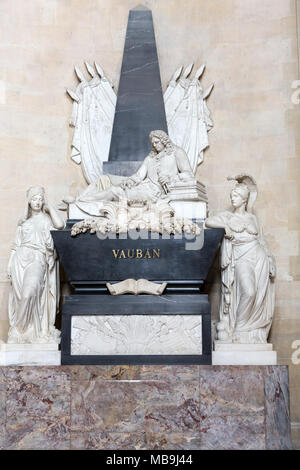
<point x="127" y="184"/>
<point x="164" y="182"/>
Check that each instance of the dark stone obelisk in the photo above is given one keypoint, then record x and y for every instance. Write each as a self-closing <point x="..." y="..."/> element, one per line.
<point x="140" y="105"/>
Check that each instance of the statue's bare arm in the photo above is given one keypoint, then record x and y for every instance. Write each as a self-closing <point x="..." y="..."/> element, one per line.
<point x="57" y="221"/>
<point x="219" y="221"/>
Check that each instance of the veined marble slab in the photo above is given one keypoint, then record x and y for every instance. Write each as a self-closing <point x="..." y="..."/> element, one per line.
<point x="136" y="334"/>
<point x="163" y="407"/>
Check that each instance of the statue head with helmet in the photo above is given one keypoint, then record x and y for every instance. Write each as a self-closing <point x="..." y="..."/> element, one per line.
<point x="244" y="192"/>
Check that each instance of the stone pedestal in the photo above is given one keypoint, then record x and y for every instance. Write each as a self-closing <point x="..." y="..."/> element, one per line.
<point x="29" y="354"/>
<point x="243" y="354"/>
<point x="189" y="200"/>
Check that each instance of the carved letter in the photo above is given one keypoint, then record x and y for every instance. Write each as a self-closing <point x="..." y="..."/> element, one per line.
<point x="122" y="254"/>
<point x="156" y="253"/>
<point x="115" y="252"/>
<point x="139" y="253"/>
<point x="147" y="254"/>
<point x="130" y="253"/>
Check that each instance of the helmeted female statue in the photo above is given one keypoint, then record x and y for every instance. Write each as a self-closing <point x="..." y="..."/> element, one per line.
<point x="247" y="269"/>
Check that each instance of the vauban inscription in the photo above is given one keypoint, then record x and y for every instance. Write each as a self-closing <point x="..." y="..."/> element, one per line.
<point x="136" y="253"/>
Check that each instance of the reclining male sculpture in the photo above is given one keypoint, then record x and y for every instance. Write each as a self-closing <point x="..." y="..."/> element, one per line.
<point x="165" y="169"/>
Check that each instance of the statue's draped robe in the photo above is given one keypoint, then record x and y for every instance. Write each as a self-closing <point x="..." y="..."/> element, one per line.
<point x="34" y="274"/>
<point x="248" y="293"/>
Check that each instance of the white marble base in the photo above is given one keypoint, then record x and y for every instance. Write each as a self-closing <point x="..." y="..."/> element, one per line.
<point x="136" y="334"/>
<point x="220" y="346"/>
<point x="243" y="354"/>
<point x="190" y="209"/>
<point x="29" y="354"/>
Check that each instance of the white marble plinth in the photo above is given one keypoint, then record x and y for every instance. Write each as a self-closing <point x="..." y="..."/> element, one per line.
<point x="136" y="334"/>
<point x="190" y="209"/>
<point x="243" y="354"/>
<point x="30" y="354"/>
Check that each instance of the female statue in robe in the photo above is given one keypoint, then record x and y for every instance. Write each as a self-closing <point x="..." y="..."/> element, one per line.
<point x="247" y="270"/>
<point x="33" y="272"/>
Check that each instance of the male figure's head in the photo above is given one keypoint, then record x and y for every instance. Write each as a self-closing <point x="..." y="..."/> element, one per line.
<point x="159" y="141"/>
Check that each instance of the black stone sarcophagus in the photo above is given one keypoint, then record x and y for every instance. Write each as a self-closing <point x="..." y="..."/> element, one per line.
<point x="89" y="262"/>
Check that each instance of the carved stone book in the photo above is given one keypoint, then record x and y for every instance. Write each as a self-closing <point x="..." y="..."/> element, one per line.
<point x="140" y="286"/>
